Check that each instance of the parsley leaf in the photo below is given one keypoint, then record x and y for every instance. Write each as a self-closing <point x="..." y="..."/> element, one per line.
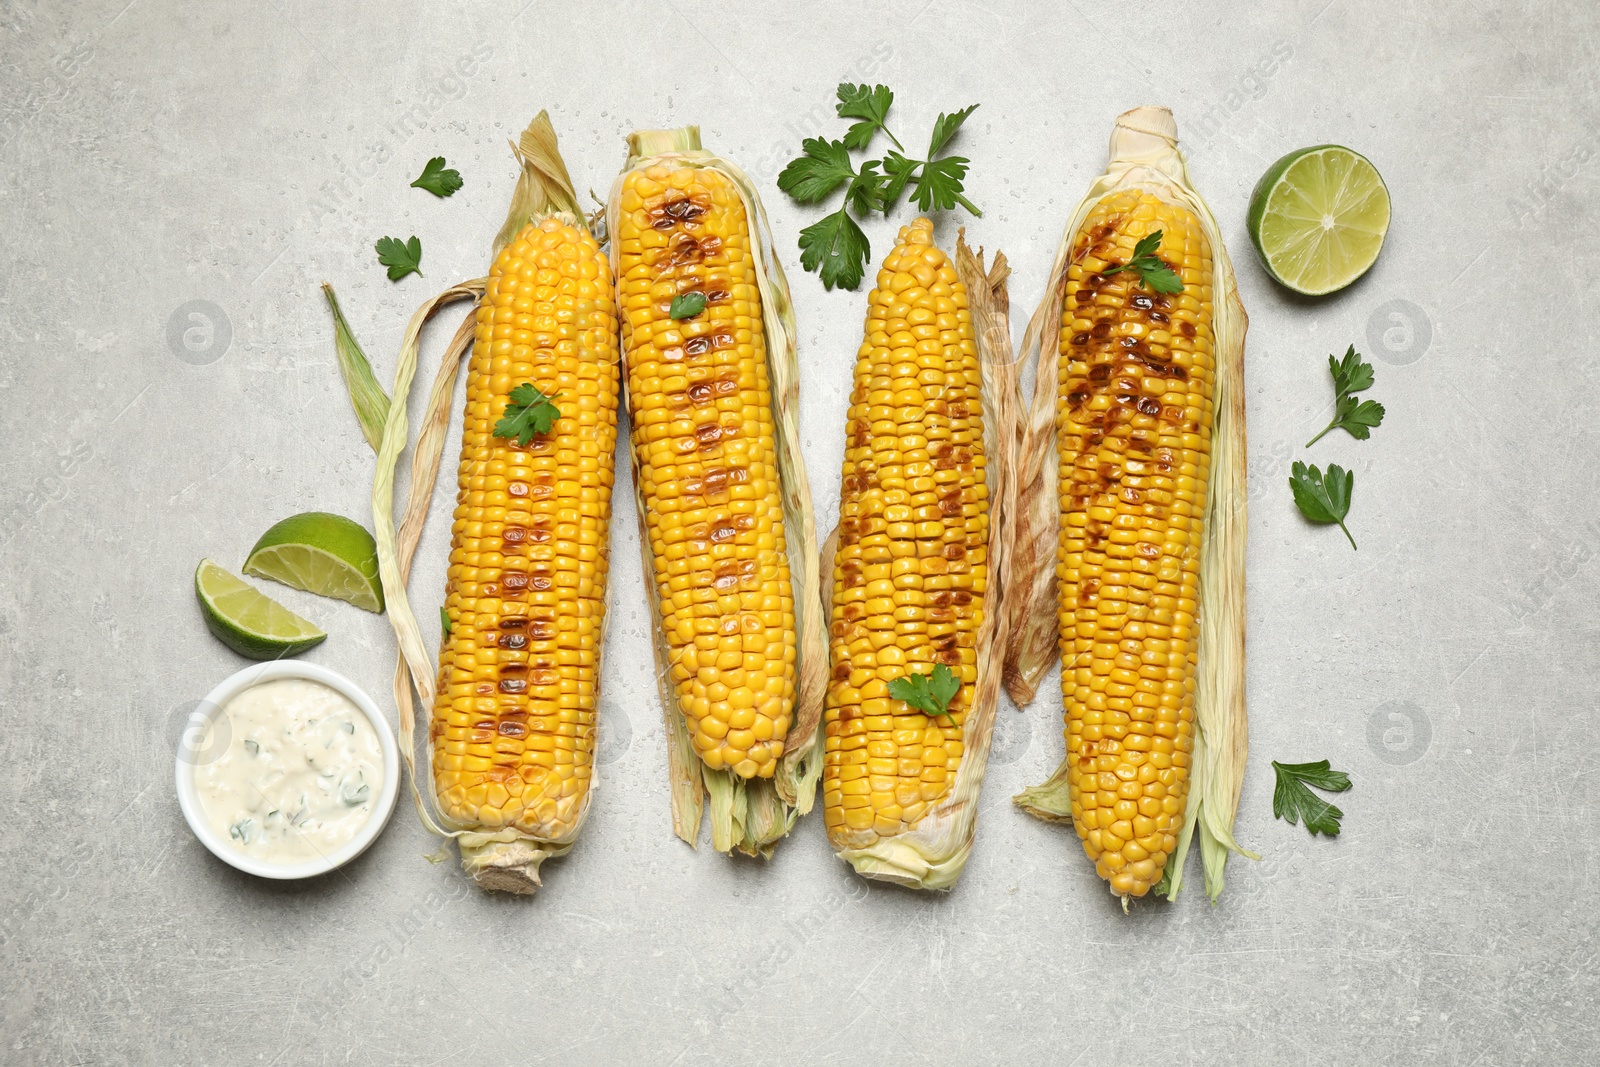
<point x="529" y="412"/>
<point x="871" y="106"/>
<point x="865" y="193"/>
<point x="1351" y="376"/>
<point x="401" y="257"/>
<point x="928" y="693"/>
<point x="945" y="128"/>
<point x="899" y="171"/>
<point x="824" y="167"/>
<point x="1151" y="269"/>
<point x="1358" y="419"/>
<point x="1292" y="800"/>
<point x="939" y="185"/>
<point x="837" y="246"/>
<point x="687" y="305"/>
<point x="437" y="179"/>
<point x="1323" y="499"/>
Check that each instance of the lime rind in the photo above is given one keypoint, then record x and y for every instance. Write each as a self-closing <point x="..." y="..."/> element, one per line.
<point x="1318" y="218"/>
<point x="248" y="621"/>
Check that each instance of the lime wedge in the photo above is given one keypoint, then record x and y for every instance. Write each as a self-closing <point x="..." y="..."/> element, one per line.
<point x="248" y="622"/>
<point x="1318" y="217"/>
<point x="321" y="553"/>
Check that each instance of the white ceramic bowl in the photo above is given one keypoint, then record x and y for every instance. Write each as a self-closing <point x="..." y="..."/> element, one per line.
<point x="189" y="756"/>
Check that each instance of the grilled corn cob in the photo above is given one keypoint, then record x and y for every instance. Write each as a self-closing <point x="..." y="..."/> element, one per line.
<point x="718" y="509"/>
<point x="514" y="726"/>
<point x="911" y="565"/>
<point x="512" y="734"/>
<point x="1135" y="379"/>
<point x="1135" y="445"/>
<point x="701" y="414"/>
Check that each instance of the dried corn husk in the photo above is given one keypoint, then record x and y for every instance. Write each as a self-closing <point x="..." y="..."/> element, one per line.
<point x="932" y="853"/>
<point x="1144" y="154"/>
<point x="747" y="814"/>
<point x="507" y="860"/>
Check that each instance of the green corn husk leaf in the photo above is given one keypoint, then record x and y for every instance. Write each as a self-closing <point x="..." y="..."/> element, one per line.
<point x="366" y="395"/>
<point x="506" y="860"/>
<point x="1144" y="154"/>
<point x="747" y="815"/>
<point x="932" y="853"/>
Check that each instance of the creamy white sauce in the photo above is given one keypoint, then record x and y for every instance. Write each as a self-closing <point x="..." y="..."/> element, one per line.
<point x="300" y="776"/>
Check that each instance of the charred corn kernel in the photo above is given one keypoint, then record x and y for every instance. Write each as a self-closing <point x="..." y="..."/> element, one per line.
<point x="701" y="411"/>
<point x="1134" y="420"/>
<point x="911" y="567"/>
<point x="514" y="727"/>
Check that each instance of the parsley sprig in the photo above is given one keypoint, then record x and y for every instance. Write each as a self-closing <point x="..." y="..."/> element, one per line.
<point x="1292" y="800"/>
<point x="401" y="257"/>
<point x="835" y="246"/>
<point x="928" y="693"/>
<point x="1152" y="270"/>
<point x="438" y="179"/>
<point x="687" y="305"/>
<point x="528" y="413"/>
<point x="1323" y="498"/>
<point x="1350" y="376"/>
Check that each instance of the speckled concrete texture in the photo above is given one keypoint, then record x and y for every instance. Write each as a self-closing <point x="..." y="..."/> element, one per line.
<point x="175" y="181"/>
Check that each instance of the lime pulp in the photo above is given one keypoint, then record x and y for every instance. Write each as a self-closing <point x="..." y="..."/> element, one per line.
<point x="1318" y="217"/>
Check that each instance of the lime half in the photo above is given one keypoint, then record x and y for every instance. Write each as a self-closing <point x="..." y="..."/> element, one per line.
<point x="1318" y="217"/>
<point x="248" y="622"/>
<point x="321" y="553"/>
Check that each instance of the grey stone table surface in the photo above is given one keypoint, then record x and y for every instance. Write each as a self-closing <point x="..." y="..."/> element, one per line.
<point x="175" y="181"/>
